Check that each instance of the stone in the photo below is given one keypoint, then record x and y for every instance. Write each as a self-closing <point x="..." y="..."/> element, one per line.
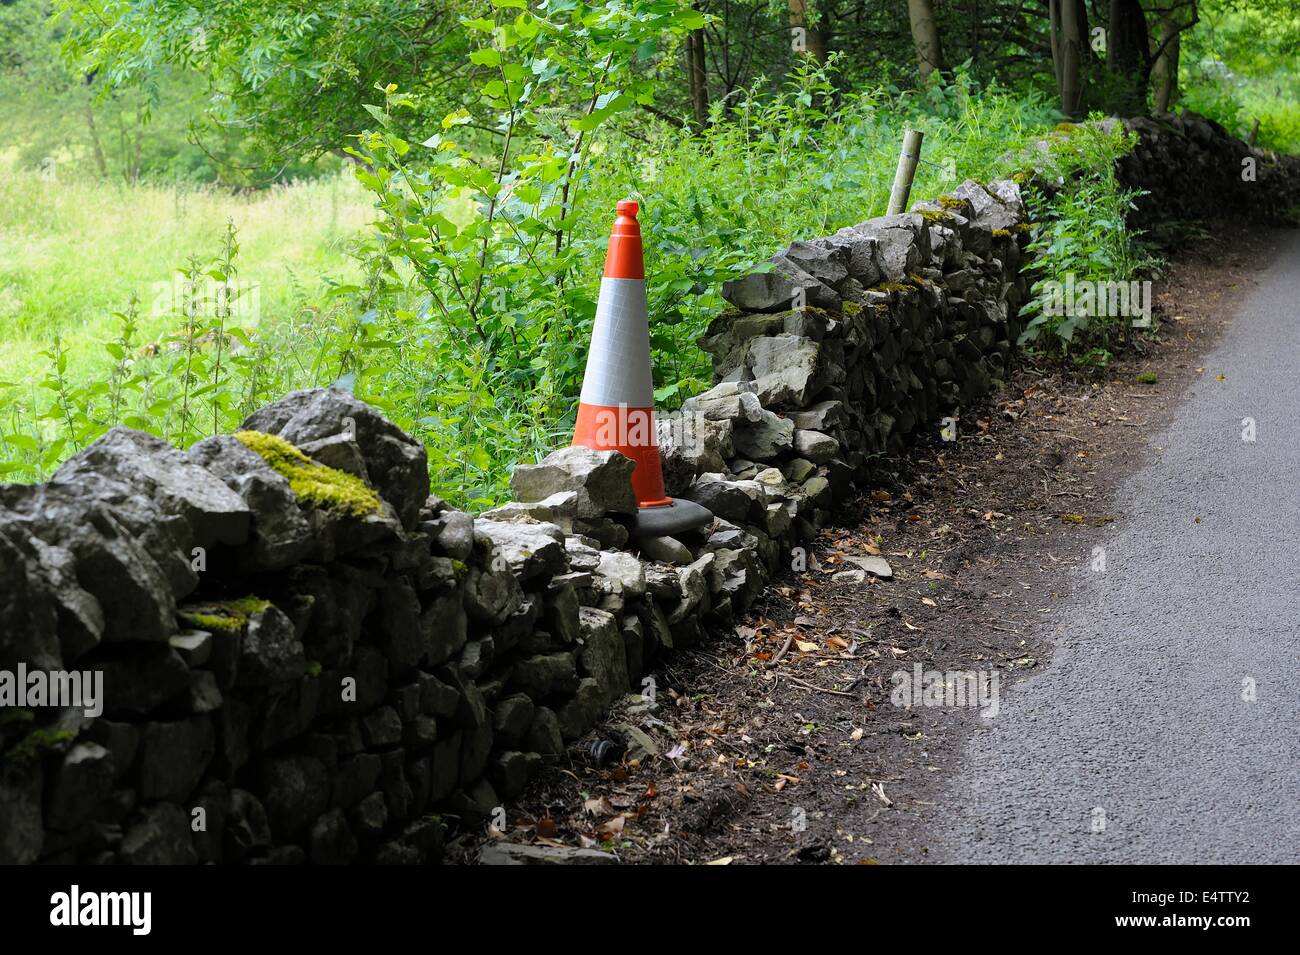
<point x="452" y="532"/>
<point x="158" y="472"/>
<point x="816" y="447"/>
<point x="511" y="717"/>
<point x="397" y="463"/>
<point x="825" y="261"/>
<point x="339" y="451"/>
<point x="174" y="757"/>
<point x="603" y="656"/>
<point x="875" y="566"/>
<point x="544" y="735"/>
<point x="444" y="621"/>
<point x="436" y="697"/>
<point x="369" y="817"/>
<point x="764" y="440"/>
<point x="356" y="778"/>
<point x="730" y="500"/>
<point x="669" y="550"/>
<point x="119" y="547"/>
<point x="577" y="715"/>
<point x="530" y="550"/>
<point x="331" y="840"/>
<point x="141" y="679"/>
<point x="545" y="675"/>
<point x="601" y="480"/>
<point x="122" y="740"/>
<point x="271" y="652"/>
<point x="21" y="823"/>
<point x="603" y="531"/>
<point x="281" y="534"/>
<point x="510" y="771"/>
<point x="490" y="596"/>
<point x="621" y="573"/>
<point x="381" y="728"/>
<point x="558" y="509"/>
<point x="987" y="210"/>
<point x="247" y="828"/>
<point x="786" y="284"/>
<point x="399" y="635"/>
<point x="160" y="835"/>
<point x="787" y="371"/>
<point x="297" y="790"/>
<point x="193" y="646"/>
<point x="505" y="853"/>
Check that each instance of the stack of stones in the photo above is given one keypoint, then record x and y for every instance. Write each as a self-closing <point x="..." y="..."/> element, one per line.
<point x="307" y="658"/>
<point x="846" y="349"/>
<point x="1190" y="168"/>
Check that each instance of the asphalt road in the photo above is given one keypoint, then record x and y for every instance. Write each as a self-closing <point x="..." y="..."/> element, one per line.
<point x="1142" y="714"/>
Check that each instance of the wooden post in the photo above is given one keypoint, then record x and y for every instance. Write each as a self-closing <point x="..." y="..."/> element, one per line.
<point x="907" y="161"/>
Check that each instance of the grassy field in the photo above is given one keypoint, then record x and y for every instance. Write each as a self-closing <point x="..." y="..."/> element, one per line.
<point x="73" y="251"/>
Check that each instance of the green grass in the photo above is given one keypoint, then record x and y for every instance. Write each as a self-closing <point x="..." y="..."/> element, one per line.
<point x="75" y="250"/>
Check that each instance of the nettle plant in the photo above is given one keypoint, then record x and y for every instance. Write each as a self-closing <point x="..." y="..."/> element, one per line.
<point x="1082" y="236"/>
<point x="482" y="218"/>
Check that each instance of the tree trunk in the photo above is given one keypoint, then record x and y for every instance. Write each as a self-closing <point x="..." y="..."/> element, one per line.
<point x="1128" y="51"/>
<point x="925" y="35"/>
<point x="1068" y="41"/>
<point x="96" y="147"/>
<point x="698" y="77"/>
<point x="1173" y="21"/>
<point x="805" y="39"/>
<point x="1166" y="68"/>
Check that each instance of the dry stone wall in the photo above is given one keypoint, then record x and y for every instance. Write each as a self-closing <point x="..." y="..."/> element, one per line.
<point x="303" y="656"/>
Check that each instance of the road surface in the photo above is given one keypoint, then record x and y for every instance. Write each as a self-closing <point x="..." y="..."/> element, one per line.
<point x="1143" y="741"/>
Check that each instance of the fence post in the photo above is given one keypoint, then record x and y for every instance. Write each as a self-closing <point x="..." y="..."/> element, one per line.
<point x="907" y="161"/>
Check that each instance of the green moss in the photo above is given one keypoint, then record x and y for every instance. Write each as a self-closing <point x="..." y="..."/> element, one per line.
<point x="893" y="287"/>
<point x="312" y="482"/>
<point x="35" y="743"/>
<point x="313" y="668"/>
<point x="850" y="308"/>
<point x="248" y="605"/>
<point x="1001" y="233"/>
<point x="953" y="204"/>
<point x="1022" y="177"/>
<point x="1067" y="129"/>
<point x="934" y="215"/>
<point x="919" y="281"/>
<point x="224" y="616"/>
<point x="459" y="567"/>
<point x="1024" y="228"/>
<point x="1147" y="378"/>
<point x="213" y="622"/>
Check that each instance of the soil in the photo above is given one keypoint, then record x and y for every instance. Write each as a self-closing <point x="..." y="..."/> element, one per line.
<point x="778" y="742"/>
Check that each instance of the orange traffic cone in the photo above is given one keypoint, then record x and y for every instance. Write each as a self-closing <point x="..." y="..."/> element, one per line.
<point x="616" y="409"/>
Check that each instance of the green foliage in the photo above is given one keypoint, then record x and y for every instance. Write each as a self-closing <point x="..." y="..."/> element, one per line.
<point x="1239" y="65"/>
<point x="1081" y="233"/>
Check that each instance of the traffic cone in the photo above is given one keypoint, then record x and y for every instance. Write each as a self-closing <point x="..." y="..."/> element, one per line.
<point x="616" y="409"/>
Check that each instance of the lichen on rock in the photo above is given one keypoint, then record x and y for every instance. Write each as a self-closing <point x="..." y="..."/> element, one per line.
<point x="312" y="482"/>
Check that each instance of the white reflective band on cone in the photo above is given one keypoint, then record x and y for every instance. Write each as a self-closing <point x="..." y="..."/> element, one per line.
<point x="618" y="365"/>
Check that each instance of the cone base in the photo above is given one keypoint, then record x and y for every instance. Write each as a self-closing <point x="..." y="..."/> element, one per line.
<point x="669" y="519"/>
